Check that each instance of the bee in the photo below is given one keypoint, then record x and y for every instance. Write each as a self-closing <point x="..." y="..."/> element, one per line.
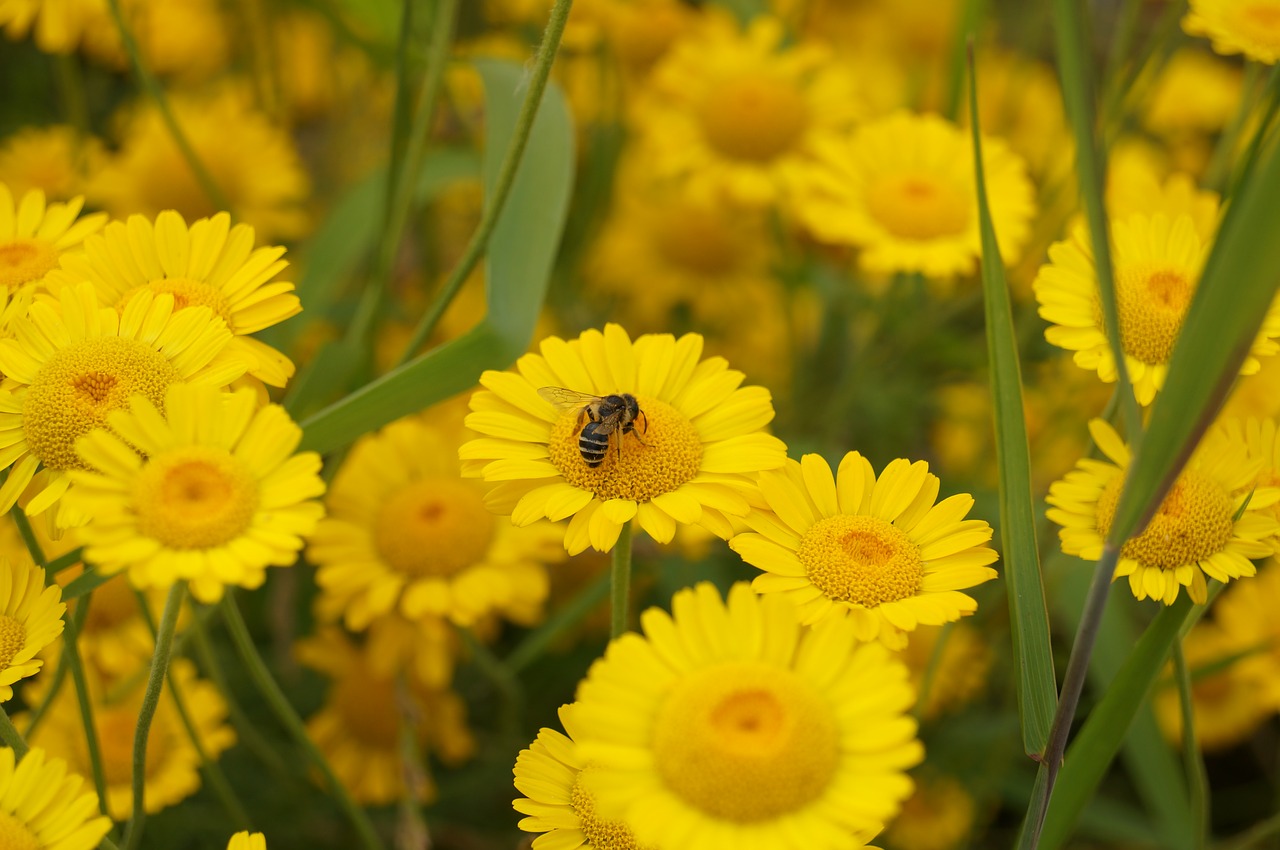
<point x="599" y="417"/>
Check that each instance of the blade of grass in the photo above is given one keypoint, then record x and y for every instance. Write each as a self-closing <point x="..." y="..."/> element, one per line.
<point x="521" y="252"/>
<point x="1198" y="780"/>
<point x="1028" y="616"/>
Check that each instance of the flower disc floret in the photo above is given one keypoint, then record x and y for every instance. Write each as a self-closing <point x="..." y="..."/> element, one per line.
<point x="1193" y="522"/>
<point x="30" y="620"/>
<point x="433" y="527"/>
<point x="195" y="498"/>
<point x="863" y="560"/>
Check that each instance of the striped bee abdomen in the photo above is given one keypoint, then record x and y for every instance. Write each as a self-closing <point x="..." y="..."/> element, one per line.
<point x="593" y="444"/>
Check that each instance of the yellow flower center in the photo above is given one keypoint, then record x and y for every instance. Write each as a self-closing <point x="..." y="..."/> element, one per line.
<point x="16" y="835"/>
<point x="754" y="117"/>
<point x="433" y="527"/>
<point x="186" y="293"/>
<point x="116" y="726"/>
<point x="80" y="385"/>
<point x="919" y="206"/>
<point x="12" y="636"/>
<point x="1260" y="21"/>
<point x="862" y="560"/>
<point x="1152" y="301"/>
<point x="368" y="709"/>
<point x="670" y="454"/>
<point x="601" y="834"/>
<point x="25" y="260"/>
<point x="195" y="497"/>
<point x="1194" y="521"/>
<point x="697" y="238"/>
<point x="640" y="36"/>
<point x="746" y="741"/>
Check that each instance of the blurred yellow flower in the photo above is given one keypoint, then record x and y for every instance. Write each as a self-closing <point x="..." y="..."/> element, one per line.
<point x="1251" y="27"/>
<point x="246" y="840"/>
<point x="54" y="159"/>
<point x="1138" y="185"/>
<point x="33" y="235"/>
<point x="216" y="497"/>
<point x="406" y="533"/>
<point x="725" y="718"/>
<point x="697" y="436"/>
<point x="178" y="38"/>
<point x="42" y="804"/>
<point x="1246" y="615"/>
<point x="1157" y="262"/>
<point x="250" y="160"/>
<point x="57" y="27"/>
<point x="939" y="816"/>
<point x="209" y="264"/>
<point x="30" y="620"/>
<point x="1194" y="533"/>
<point x="876" y="551"/>
<point x="173" y="763"/>
<point x="902" y="189"/>
<point x="76" y="361"/>
<point x="1195" y="92"/>
<point x="957" y="660"/>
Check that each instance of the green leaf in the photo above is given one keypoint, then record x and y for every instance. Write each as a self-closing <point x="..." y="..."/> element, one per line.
<point x="1235" y="292"/>
<point x="1029" y="618"/>
<point x="1093" y="749"/>
<point x="521" y="252"/>
<point x="86" y="582"/>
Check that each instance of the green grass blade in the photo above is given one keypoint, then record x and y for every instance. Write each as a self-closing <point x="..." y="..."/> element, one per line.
<point x="521" y="252"/>
<point x="86" y="582"/>
<point x="1093" y="749"/>
<point x="1236" y="289"/>
<point x="1029" y="618"/>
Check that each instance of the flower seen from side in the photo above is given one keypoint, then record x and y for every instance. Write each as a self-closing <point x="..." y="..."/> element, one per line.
<point x="1251" y="27"/>
<point x="902" y="190"/>
<point x="875" y="550"/>
<point x="1157" y="263"/>
<point x="686" y="461"/>
<point x="210" y="264"/>
<point x="1194" y="534"/>
<point x="30" y="620"/>
<point x="217" y="497"/>
<point x="729" y="723"/>
<point x="245" y="840"/>
<point x="43" y="806"/>
<point x="34" y="235"/>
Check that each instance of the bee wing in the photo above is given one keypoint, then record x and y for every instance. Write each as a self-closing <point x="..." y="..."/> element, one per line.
<point x="565" y="398"/>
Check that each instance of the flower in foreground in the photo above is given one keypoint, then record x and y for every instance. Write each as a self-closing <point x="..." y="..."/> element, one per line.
<point x="687" y="462"/>
<point x="74" y="361"/>
<point x="219" y="497"/>
<point x="30" y="620"/>
<point x="903" y="190"/>
<point x="42" y="806"/>
<point x="1251" y="27"/>
<point x="875" y="550"/>
<point x="405" y="533"/>
<point x="34" y="235"/>
<point x="211" y="264"/>
<point x="732" y="725"/>
<point x="1195" y="532"/>
<point x="1157" y="261"/>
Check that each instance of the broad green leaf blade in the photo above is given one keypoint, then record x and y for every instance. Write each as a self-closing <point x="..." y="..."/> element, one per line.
<point x="521" y="252"/>
<point x="86" y="582"/>
<point x="1028" y="616"/>
<point x="1093" y="749"/>
<point x="1235" y="291"/>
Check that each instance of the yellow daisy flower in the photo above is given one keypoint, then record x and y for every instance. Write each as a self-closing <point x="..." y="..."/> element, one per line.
<point x="54" y="159"/>
<point x="182" y="38"/>
<point x="74" y="361"/>
<point x="173" y="764"/>
<point x="245" y="840"/>
<point x="1195" y="92"/>
<point x="41" y="805"/>
<point x="210" y="264"/>
<point x="34" y="235"/>
<point x="1193" y="534"/>
<point x="1258" y="436"/>
<point x="1246" y="615"/>
<point x="729" y="724"/>
<point x="1135" y="185"/>
<point x="57" y="27"/>
<point x="557" y="802"/>
<point x="252" y="161"/>
<point x="1227" y="705"/>
<point x="30" y="620"/>
<point x="359" y="726"/>
<point x="685" y="460"/>
<point x="731" y="111"/>
<point x="405" y="533"/>
<point x="902" y="189"/>
<point x="877" y="551"/>
<point x="940" y="815"/>
<point x="219" y="497"/>
<point x="1157" y="263"/>
<point x="1251" y="27"/>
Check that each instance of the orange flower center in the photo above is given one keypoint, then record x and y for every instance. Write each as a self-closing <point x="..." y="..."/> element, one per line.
<point x="919" y="206"/>
<point x="862" y="560"/>
<point x="12" y="636"/>
<point x="754" y="117"/>
<point x="1194" y="521"/>
<point x="25" y="260"/>
<point x="433" y="527"/>
<point x="1152" y="301"/>
<point x="196" y="497"/>
<point x="696" y="238"/>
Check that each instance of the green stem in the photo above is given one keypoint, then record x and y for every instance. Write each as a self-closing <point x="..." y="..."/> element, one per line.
<point x="71" y="657"/>
<point x="71" y="90"/>
<point x="504" y="681"/>
<point x="412" y="830"/>
<point x="537" y="641"/>
<point x="267" y="685"/>
<point x="931" y="669"/>
<point x="502" y="183"/>
<point x="60" y="674"/>
<point x="1219" y="167"/>
<point x="62" y="562"/>
<point x="150" y="701"/>
<point x="10" y="736"/>
<point x="1197" y="781"/>
<point x="1271" y="101"/>
<point x="620" y="583"/>
<point x="156" y="92"/>
<point x="28" y="535"/>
